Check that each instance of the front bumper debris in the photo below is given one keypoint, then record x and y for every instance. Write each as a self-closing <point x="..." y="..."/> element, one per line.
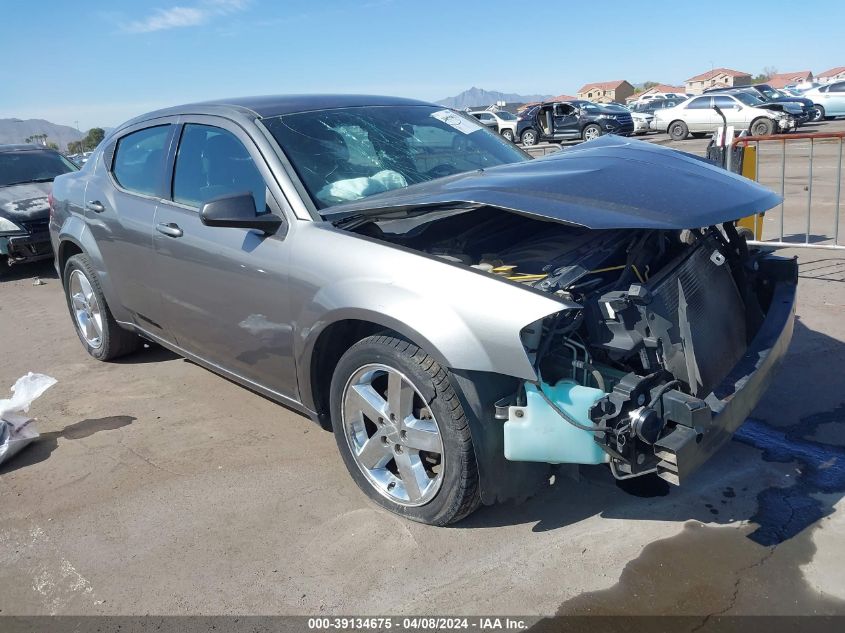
<point x="699" y="427"/>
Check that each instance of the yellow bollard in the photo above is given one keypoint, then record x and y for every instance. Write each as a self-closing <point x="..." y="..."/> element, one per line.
<point x="752" y="223"/>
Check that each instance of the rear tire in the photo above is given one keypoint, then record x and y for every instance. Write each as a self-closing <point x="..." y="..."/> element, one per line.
<point x="418" y="462"/>
<point x="4" y="266"/>
<point x="762" y="127"/>
<point x="99" y="333"/>
<point x="678" y="130"/>
<point x="529" y="137"/>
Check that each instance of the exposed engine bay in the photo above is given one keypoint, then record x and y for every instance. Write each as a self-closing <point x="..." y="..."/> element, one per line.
<point x="665" y="316"/>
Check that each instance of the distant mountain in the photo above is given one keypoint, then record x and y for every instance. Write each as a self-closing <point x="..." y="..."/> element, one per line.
<point x="475" y="97"/>
<point x="17" y="131"/>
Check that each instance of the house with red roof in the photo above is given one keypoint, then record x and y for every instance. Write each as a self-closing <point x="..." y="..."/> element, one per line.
<point x="718" y="77"/>
<point x="782" y="80"/>
<point x="833" y="74"/>
<point x="606" y="91"/>
<point x="659" y="89"/>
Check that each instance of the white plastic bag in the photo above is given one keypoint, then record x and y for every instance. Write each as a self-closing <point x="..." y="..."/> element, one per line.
<point x="16" y="429"/>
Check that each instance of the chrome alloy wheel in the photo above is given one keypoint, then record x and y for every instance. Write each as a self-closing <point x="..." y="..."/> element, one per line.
<point x="392" y="435"/>
<point x="86" y="309"/>
<point x="591" y="134"/>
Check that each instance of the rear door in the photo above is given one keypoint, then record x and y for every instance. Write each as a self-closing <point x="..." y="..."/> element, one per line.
<point x="120" y="204"/>
<point x="699" y="116"/>
<point x="224" y="289"/>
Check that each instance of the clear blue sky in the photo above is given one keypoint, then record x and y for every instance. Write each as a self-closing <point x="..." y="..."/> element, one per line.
<point x="100" y="62"/>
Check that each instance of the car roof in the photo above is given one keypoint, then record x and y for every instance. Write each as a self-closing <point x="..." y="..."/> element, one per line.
<point x="275" y="105"/>
<point x="25" y="147"/>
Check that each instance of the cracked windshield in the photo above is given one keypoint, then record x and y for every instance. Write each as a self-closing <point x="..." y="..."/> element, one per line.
<point x="350" y="153"/>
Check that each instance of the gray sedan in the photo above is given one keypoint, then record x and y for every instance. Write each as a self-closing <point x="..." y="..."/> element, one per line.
<point x="463" y="317"/>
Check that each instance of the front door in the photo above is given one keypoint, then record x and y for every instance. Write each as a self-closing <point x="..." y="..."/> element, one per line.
<point x="566" y="121"/>
<point x="224" y="289"/>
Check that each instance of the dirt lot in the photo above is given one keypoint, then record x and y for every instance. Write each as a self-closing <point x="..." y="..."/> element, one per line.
<point x="158" y="487"/>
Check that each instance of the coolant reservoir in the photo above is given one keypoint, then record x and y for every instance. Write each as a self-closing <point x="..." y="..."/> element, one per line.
<point x="537" y="433"/>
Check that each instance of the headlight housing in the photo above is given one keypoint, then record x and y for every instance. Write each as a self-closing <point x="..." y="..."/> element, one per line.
<point x="8" y="227"/>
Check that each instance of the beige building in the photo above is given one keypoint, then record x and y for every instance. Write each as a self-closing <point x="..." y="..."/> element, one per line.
<point x="607" y="91"/>
<point x="718" y="77"/>
<point x="834" y="74"/>
<point x="782" y="80"/>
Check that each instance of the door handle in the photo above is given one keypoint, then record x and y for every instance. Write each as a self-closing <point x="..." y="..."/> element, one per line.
<point x="169" y="229"/>
<point x="96" y="206"/>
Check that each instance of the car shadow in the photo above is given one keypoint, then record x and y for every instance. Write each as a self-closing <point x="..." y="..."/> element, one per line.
<point x="742" y="482"/>
<point x="42" y="270"/>
<point x="43" y="446"/>
<point x="149" y="353"/>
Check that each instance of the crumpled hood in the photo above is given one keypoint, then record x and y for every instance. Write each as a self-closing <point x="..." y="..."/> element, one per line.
<point x="609" y="183"/>
<point x="26" y="201"/>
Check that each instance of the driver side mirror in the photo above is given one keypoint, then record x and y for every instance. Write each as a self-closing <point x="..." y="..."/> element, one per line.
<point x="238" y="211"/>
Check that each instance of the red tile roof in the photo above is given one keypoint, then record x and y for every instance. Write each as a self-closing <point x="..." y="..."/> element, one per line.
<point x="562" y="98"/>
<point x="602" y="85"/>
<point x="781" y="80"/>
<point x="831" y="72"/>
<point x="718" y="71"/>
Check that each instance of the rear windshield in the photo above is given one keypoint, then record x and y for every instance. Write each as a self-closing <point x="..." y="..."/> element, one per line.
<point x="32" y="166"/>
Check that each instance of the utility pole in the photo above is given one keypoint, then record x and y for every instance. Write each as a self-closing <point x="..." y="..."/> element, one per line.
<point x="81" y="138"/>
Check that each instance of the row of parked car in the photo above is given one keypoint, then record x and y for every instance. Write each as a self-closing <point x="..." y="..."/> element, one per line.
<point x="760" y="109"/>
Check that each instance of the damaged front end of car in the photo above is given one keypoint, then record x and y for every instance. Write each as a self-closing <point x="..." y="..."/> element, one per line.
<point x="668" y="355"/>
<point x="670" y="326"/>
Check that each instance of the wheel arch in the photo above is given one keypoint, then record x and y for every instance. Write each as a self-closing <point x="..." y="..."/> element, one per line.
<point x="67" y="249"/>
<point x="74" y="237"/>
<point x="326" y="347"/>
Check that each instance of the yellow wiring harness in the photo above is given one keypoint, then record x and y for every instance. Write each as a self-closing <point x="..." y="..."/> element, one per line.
<point x="510" y="275"/>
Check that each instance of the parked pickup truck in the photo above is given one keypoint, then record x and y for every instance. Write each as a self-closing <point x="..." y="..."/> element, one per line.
<point x="557" y="121"/>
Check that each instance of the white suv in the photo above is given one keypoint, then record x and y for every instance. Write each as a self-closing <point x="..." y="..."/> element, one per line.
<point x="697" y="116"/>
<point x="502" y="122"/>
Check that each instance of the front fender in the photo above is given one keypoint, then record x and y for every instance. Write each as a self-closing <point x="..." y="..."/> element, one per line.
<point x="466" y="319"/>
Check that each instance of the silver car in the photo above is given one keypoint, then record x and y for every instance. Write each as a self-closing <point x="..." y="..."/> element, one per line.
<point x="697" y="116"/>
<point x="463" y="317"/>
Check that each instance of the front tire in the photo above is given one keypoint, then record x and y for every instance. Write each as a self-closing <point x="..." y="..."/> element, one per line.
<point x="508" y="135"/>
<point x="591" y="132"/>
<point x="678" y="131"/>
<point x="402" y="432"/>
<point x="100" y="334"/>
<point x="529" y="137"/>
<point x="817" y="114"/>
<point x="762" y="127"/>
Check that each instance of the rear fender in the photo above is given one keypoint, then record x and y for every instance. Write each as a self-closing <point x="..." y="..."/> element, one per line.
<point x="75" y="231"/>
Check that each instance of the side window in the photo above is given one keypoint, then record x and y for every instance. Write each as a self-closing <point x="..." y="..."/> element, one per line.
<point x="139" y="160"/>
<point x="212" y="162"/>
<point x="839" y="87"/>
<point x="702" y="103"/>
<point x="725" y="103"/>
